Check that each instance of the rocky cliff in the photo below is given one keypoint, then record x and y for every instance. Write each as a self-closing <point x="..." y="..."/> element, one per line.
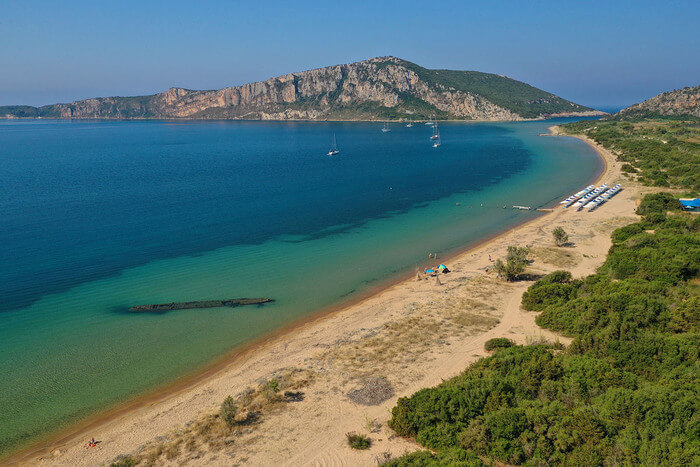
<point x="379" y="88"/>
<point x="679" y="103"/>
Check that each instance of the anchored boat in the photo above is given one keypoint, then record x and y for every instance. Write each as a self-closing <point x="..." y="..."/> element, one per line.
<point x="334" y="149"/>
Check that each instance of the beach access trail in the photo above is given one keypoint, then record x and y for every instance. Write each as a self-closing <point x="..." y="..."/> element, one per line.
<point x="414" y="334"/>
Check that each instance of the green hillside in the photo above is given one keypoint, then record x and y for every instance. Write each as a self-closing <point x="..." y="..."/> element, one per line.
<point x="519" y="97"/>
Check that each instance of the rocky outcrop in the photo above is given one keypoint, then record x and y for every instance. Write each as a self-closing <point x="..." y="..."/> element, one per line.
<point x="679" y="103"/>
<point x="379" y="88"/>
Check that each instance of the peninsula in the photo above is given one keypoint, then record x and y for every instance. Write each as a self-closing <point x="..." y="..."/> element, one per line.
<point x="382" y="88"/>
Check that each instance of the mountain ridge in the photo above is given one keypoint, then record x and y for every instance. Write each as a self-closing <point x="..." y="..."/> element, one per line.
<point x="377" y="88"/>
<point x="684" y="102"/>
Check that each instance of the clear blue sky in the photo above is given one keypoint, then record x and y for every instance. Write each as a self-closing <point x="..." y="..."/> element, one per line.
<point x="598" y="53"/>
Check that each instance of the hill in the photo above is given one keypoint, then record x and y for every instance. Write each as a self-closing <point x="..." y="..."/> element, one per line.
<point x="682" y="103"/>
<point x="378" y="88"/>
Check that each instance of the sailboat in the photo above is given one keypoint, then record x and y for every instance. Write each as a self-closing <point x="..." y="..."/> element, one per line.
<point x="436" y="143"/>
<point x="436" y="132"/>
<point x="334" y="149"/>
<point x="409" y="124"/>
<point x="386" y="128"/>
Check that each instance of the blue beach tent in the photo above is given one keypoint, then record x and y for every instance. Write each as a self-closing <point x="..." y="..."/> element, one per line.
<point x="691" y="204"/>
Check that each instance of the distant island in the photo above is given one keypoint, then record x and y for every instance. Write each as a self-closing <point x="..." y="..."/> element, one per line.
<point x="382" y="88"/>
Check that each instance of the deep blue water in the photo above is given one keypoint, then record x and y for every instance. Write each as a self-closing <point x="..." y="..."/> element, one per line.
<point x="94" y="198"/>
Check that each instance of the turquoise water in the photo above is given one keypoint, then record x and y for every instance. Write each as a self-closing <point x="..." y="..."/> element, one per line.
<point x="99" y="216"/>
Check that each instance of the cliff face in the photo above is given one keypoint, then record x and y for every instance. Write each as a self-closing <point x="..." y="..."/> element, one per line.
<point x="679" y="103"/>
<point x="379" y="88"/>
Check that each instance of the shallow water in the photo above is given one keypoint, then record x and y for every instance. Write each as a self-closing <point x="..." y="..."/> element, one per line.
<point x="99" y="216"/>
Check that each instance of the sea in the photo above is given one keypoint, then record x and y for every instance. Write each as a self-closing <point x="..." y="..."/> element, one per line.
<point x="99" y="216"/>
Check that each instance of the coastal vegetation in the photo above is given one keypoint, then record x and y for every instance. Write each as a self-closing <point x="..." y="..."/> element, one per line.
<point x="497" y="343"/>
<point x="661" y="152"/>
<point x="560" y="236"/>
<point x="359" y="442"/>
<point x="514" y="264"/>
<point x="626" y="391"/>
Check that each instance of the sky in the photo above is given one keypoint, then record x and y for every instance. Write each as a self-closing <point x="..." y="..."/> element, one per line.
<point x="603" y="54"/>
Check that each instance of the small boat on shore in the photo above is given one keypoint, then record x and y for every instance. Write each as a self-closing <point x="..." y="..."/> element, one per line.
<point x="589" y="197"/>
<point x="571" y="199"/>
<point x="602" y="199"/>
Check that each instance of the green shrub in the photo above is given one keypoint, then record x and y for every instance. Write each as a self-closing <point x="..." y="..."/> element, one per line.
<point x="560" y="236"/>
<point x="514" y="264"/>
<point x="360" y="442"/>
<point x="497" y="343"/>
<point x="123" y="461"/>
<point x="228" y="411"/>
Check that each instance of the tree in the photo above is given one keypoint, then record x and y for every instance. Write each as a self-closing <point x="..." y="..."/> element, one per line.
<point x="560" y="236"/>
<point x="514" y="265"/>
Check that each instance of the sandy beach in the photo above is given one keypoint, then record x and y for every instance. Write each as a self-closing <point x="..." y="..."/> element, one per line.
<point x="410" y="335"/>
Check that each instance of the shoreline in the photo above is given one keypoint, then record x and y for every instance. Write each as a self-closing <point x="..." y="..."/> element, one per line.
<point x="239" y="356"/>
<point x="596" y="113"/>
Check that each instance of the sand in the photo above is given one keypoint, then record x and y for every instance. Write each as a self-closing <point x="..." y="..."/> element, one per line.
<point x="414" y="334"/>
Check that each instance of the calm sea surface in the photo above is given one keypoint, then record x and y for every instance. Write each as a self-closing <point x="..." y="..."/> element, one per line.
<point x="99" y="216"/>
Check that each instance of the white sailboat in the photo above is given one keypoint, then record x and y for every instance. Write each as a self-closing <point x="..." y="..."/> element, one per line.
<point x="436" y="132"/>
<point x="386" y="127"/>
<point x="409" y="124"/>
<point x="436" y="142"/>
<point x="334" y="149"/>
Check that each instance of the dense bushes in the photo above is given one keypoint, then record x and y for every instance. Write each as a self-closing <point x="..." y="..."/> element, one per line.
<point x="658" y="203"/>
<point x="448" y="457"/>
<point x="625" y="392"/>
<point x="659" y="152"/>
